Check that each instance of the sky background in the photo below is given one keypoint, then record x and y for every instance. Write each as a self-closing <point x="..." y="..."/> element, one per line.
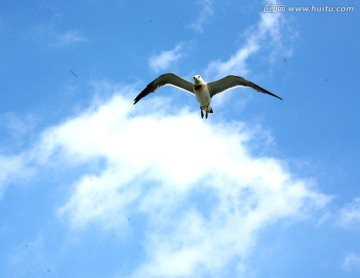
<point x="92" y="186"/>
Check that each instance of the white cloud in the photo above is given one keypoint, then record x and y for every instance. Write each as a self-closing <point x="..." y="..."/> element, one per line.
<point x="266" y="35"/>
<point x="351" y="262"/>
<point x="201" y="195"/>
<point x="349" y="216"/>
<point x="163" y="60"/>
<point x="205" y="12"/>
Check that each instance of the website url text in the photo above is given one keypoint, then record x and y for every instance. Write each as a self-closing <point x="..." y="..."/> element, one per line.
<point x="279" y="8"/>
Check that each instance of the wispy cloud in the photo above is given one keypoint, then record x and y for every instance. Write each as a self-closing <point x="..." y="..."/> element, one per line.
<point x="30" y="255"/>
<point x="163" y="60"/>
<point x="266" y="35"/>
<point x="16" y="125"/>
<point x="349" y="216"/>
<point x="200" y="194"/>
<point x="205" y="12"/>
<point x="351" y="262"/>
<point x="13" y="168"/>
<point x="50" y="36"/>
<point x="70" y="37"/>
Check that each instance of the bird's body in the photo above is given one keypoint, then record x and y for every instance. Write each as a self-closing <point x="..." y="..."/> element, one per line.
<point x="203" y="91"/>
<point x="202" y="94"/>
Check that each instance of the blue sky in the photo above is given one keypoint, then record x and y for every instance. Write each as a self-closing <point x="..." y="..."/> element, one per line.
<point x="92" y="186"/>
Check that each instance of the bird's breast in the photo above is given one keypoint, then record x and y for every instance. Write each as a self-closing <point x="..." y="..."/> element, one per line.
<point x="202" y="94"/>
<point x="198" y="87"/>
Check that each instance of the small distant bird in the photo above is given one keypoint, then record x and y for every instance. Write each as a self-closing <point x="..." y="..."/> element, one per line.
<point x="202" y="90"/>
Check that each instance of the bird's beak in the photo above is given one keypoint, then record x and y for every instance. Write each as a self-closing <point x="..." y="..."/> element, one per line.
<point x="194" y="77"/>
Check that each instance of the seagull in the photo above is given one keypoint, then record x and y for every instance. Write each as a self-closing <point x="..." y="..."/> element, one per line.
<point x="202" y="90"/>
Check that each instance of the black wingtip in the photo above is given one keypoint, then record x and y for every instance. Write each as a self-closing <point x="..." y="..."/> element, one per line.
<point x="136" y="100"/>
<point x="271" y="94"/>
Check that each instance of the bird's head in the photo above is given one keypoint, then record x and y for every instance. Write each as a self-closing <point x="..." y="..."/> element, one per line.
<point x="198" y="80"/>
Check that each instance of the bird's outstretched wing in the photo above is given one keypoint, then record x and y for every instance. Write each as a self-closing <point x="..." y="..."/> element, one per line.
<point x="166" y="79"/>
<point x="232" y="81"/>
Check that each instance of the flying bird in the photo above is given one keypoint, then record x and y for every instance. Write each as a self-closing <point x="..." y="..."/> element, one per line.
<point x="202" y="90"/>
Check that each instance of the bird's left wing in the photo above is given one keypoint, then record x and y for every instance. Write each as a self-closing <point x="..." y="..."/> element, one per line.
<point x="232" y="81"/>
<point x="166" y="79"/>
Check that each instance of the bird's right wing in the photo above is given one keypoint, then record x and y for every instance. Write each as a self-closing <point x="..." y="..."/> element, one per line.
<point x="166" y="79"/>
<point x="232" y="81"/>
